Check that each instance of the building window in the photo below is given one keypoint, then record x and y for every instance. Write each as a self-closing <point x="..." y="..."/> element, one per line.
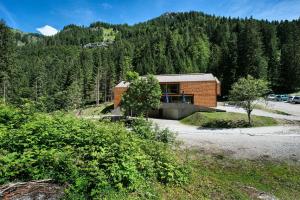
<point x="189" y="99"/>
<point x="170" y="88"/>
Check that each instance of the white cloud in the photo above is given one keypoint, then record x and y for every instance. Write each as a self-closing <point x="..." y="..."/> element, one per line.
<point x="106" y="6"/>
<point x="47" y="30"/>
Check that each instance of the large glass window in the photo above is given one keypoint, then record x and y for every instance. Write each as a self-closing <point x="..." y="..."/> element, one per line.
<point x="177" y="99"/>
<point x="170" y="88"/>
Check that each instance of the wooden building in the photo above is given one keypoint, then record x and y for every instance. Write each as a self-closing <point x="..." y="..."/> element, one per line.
<point x="197" y="89"/>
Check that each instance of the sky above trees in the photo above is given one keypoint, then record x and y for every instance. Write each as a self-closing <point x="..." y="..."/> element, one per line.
<point x="29" y="15"/>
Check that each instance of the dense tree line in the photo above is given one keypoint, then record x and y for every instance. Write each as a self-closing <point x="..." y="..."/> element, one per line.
<point x="59" y="71"/>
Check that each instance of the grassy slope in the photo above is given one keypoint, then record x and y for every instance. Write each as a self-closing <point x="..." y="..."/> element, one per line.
<point x="296" y="93"/>
<point x="108" y="34"/>
<point x="219" y="177"/>
<point x="93" y="110"/>
<point x="202" y="118"/>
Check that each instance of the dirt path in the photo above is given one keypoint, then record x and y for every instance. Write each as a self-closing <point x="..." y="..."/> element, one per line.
<point x="278" y="142"/>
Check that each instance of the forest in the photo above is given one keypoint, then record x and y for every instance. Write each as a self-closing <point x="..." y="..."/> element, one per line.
<point x="80" y="65"/>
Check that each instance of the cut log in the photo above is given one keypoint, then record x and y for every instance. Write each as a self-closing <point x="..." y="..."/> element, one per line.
<point x="41" y="190"/>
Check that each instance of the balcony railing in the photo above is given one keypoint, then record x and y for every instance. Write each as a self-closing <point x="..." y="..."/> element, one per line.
<point x="176" y="98"/>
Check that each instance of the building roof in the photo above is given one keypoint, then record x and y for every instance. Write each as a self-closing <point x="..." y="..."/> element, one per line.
<point x="123" y="84"/>
<point x="171" y="78"/>
<point x="165" y="78"/>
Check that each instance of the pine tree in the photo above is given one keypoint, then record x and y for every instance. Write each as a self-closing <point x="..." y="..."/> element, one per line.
<point x="6" y="61"/>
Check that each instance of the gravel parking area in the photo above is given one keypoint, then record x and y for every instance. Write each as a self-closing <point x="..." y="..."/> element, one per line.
<point x="276" y="142"/>
<point x="292" y="109"/>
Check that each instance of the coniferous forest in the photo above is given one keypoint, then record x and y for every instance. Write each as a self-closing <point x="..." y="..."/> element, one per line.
<point x="80" y="65"/>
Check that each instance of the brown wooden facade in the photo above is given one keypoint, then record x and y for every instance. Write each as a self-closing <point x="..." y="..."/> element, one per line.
<point x="204" y="93"/>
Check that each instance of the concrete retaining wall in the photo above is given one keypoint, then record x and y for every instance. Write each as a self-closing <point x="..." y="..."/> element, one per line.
<point x="178" y="110"/>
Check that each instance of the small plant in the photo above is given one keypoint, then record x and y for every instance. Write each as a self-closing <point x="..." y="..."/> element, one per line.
<point x="147" y="130"/>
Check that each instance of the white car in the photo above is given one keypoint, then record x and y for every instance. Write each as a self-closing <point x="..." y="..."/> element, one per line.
<point x="271" y="97"/>
<point x="290" y="99"/>
<point x="296" y="99"/>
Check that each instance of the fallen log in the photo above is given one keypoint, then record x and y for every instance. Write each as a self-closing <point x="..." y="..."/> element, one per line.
<point x="32" y="190"/>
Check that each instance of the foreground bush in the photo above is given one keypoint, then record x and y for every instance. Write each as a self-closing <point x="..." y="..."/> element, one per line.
<point x="91" y="157"/>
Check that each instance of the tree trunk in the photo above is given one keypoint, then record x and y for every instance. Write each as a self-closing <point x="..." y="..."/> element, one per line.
<point x="249" y="117"/>
<point x="4" y="91"/>
<point x="97" y="87"/>
<point x="36" y="90"/>
<point x="105" y="89"/>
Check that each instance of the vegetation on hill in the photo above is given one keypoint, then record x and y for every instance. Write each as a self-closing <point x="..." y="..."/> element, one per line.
<point x="95" y="159"/>
<point x="56" y="69"/>
<point x="226" y="120"/>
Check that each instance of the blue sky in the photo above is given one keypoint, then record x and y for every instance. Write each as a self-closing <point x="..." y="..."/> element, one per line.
<point x="28" y="15"/>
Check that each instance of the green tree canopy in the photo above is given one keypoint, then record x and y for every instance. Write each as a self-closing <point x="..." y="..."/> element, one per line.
<point x="246" y="91"/>
<point x="142" y="95"/>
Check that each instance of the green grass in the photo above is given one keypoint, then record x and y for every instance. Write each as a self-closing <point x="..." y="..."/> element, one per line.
<point x="226" y="120"/>
<point x="221" y="177"/>
<point x="217" y="176"/>
<point x="108" y="34"/>
<point x="93" y="110"/>
<point x="296" y="93"/>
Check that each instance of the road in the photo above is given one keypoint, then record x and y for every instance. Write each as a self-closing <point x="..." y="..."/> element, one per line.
<point x="275" y="142"/>
<point x="292" y="109"/>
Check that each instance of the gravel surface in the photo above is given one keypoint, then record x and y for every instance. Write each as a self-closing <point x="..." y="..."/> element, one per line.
<point x="293" y="109"/>
<point x="275" y="142"/>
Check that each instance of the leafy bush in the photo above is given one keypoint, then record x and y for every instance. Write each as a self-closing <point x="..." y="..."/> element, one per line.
<point x="146" y="130"/>
<point x="226" y="124"/>
<point x="92" y="157"/>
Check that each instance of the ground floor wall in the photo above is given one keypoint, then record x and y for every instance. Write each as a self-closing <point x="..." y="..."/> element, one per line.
<point x="177" y="110"/>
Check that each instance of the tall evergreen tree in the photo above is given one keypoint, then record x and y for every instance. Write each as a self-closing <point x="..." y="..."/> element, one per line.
<point x="6" y="61"/>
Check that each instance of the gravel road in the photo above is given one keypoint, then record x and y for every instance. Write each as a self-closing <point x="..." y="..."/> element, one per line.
<point x="275" y="142"/>
<point x="292" y="109"/>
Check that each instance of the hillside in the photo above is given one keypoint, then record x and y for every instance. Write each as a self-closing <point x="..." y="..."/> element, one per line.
<point x="62" y="70"/>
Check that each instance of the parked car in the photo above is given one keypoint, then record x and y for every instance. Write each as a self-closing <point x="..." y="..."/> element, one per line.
<point x="282" y="97"/>
<point x="271" y="97"/>
<point x="296" y="99"/>
<point x="290" y="100"/>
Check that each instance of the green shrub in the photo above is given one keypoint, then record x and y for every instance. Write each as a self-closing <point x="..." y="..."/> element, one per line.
<point x="146" y="130"/>
<point x="91" y="157"/>
<point x="226" y="124"/>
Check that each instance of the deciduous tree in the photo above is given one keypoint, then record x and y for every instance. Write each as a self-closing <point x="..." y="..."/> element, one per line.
<point x="142" y="95"/>
<point x="246" y="91"/>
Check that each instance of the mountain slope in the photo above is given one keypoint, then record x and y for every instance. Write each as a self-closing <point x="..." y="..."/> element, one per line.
<point x="58" y="66"/>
